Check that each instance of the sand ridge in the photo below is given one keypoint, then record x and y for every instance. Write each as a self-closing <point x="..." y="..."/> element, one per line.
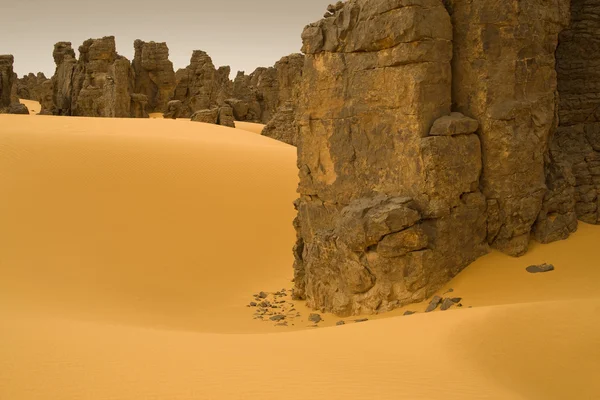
<point x="130" y="248"/>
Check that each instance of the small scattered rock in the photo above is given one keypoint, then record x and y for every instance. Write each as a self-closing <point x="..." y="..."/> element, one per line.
<point x="340" y="323"/>
<point x="449" y="291"/>
<point x="284" y="323"/>
<point x="434" y="303"/>
<point x="262" y="295"/>
<point x="446" y="304"/>
<point x="456" y="299"/>
<point x="534" y="269"/>
<point x="253" y="304"/>
<point x="409" y="313"/>
<point x="316" y="318"/>
<point x="361" y="320"/>
<point x="277" y="317"/>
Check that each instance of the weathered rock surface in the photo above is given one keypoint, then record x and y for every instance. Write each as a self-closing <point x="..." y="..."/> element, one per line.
<point x="30" y="87"/>
<point x="9" y="101"/>
<point x="573" y="163"/>
<point x="174" y="109"/>
<point x="381" y="199"/>
<point x="139" y="105"/>
<point x="282" y="126"/>
<point x="7" y="80"/>
<point x="154" y="74"/>
<point x="209" y="116"/>
<point x="200" y="86"/>
<point x="99" y="84"/>
<point x="216" y="115"/>
<point x="512" y="44"/>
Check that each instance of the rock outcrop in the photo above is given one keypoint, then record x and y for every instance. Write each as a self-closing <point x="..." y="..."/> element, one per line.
<point x="573" y="163"/>
<point x="217" y="115"/>
<point x="257" y="97"/>
<point x="9" y="101"/>
<point x="174" y="109"/>
<point x="30" y="87"/>
<point x="154" y="74"/>
<point x="99" y="84"/>
<point x="282" y="125"/>
<point x="381" y="199"/>
<point x="201" y="86"/>
<point x="6" y="80"/>
<point x="429" y="131"/>
<point x="512" y="44"/>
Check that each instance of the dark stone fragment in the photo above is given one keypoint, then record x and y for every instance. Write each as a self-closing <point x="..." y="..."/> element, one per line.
<point x="316" y="318"/>
<point x="277" y="317"/>
<point x="534" y="269"/>
<point x="446" y="304"/>
<point x="434" y="303"/>
<point x="409" y="313"/>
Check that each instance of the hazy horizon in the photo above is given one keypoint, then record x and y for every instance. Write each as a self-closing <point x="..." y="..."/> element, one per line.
<point x="244" y="35"/>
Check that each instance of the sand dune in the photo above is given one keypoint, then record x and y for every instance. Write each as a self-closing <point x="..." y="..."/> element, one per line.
<point x="129" y="249"/>
<point x="34" y="107"/>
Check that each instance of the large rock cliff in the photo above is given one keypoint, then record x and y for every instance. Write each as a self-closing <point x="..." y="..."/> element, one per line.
<point x="430" y="130"/>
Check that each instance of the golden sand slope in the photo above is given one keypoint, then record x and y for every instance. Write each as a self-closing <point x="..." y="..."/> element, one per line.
<point x="129" y="248"/>
<point x="33" y="106"/>
<point x="250" y="126"/>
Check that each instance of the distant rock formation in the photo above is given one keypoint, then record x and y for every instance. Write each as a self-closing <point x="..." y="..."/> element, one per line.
<point x="154" y="74"/>
<point x="174" y="109"/>
<point x="201" y="86"/>
<point x="258" y="96"/>
<point x="217" y="115"/>
<point x="412" y="164"/>
<point x="99" y="84"/>
<point x="282" y="126"/>
<point x="9" y="102"/>
<point x="30" y="87"/>
<point x="6" y="80"/>
<point x="101" y="80"/>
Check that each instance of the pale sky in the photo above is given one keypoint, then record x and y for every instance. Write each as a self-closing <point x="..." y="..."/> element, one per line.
<point x="242" y="34"/>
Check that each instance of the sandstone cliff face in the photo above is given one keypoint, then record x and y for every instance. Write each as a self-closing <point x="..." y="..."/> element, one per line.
<point x="154" y="74"/>
<point x="504" y="76"/>
<point x="573" y="164"/>
<point x="381" y="194"/>
<point x="201" y="86"/>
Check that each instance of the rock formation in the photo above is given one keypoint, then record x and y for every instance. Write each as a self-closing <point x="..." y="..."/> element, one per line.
<point x="258" y="96"/>
<point x="99" y="84"/>
<point x="429" y="131"/>
<point x="282" y="125"/>
<point x="101" y="80"/>
<point x="9" y="101"/>
<point x="514" y="42"/>
<point x="201" y="86"/>
<point x="381" y="199"/>
<point x="6" y="80"/>
<point x="154" y="74"/>
<point x="174" y="109"/>
<point x="217" y="115"/>
<point x="573" y="162"/>
<point x="30" y="87"/>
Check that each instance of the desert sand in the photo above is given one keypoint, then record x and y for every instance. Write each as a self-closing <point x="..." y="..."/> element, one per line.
<point x="129" y="249"/>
